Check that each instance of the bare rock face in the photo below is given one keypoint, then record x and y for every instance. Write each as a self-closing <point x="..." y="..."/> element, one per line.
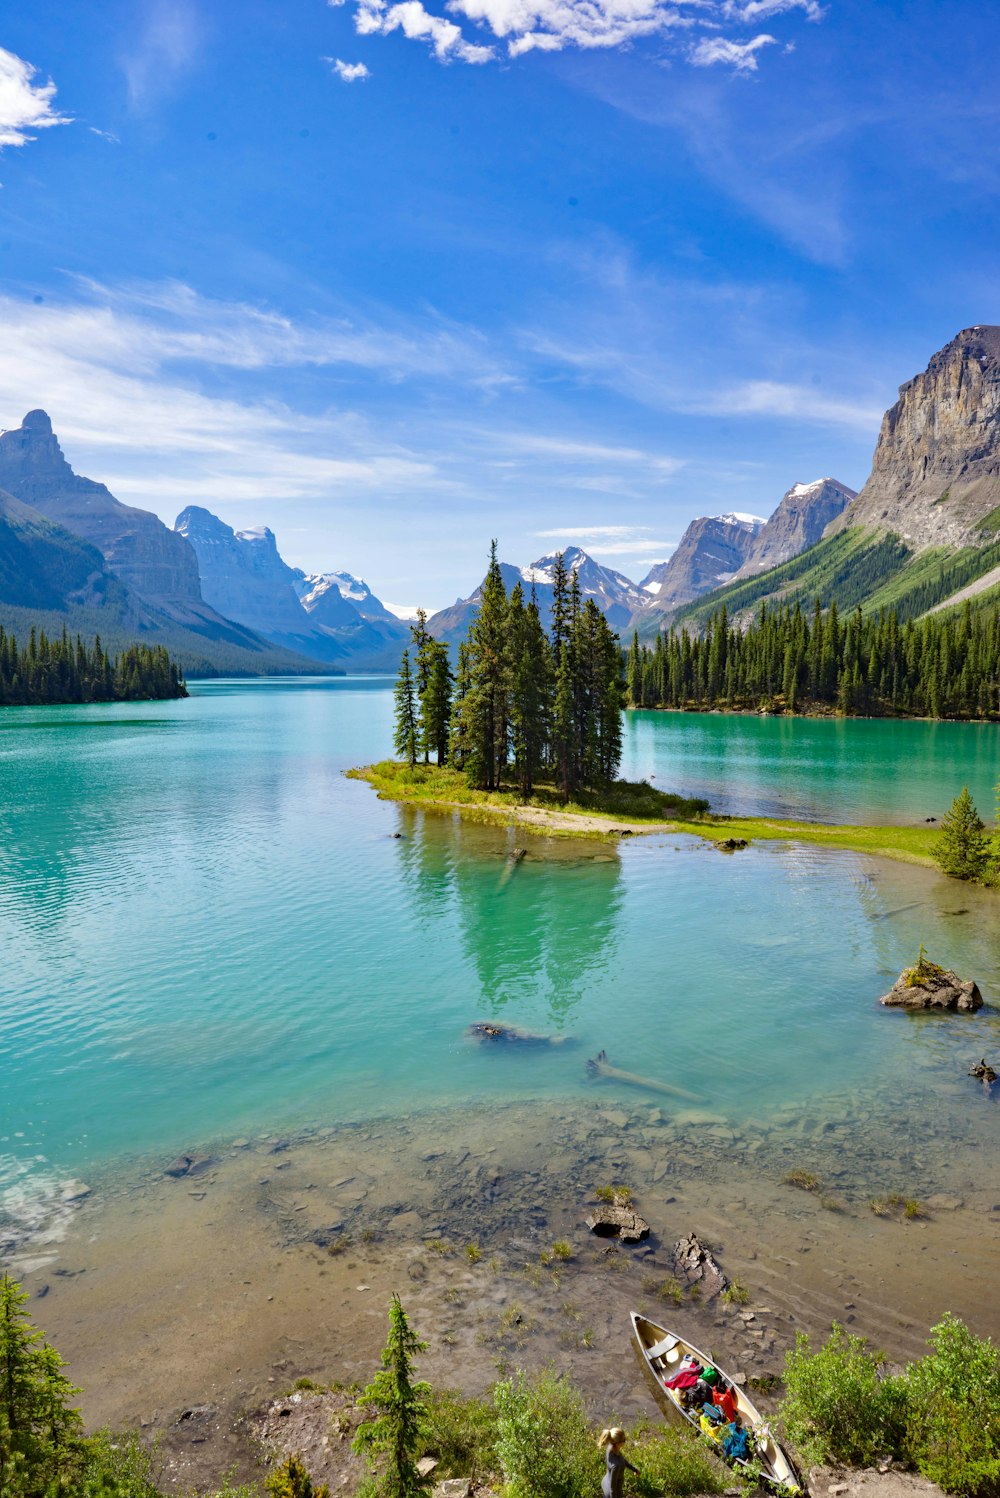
<point x="935" y="476"/>
<point x="931" y="987"/>
<point x="709" y="554"/>
<point x="242" y="574"/>
<point x="799" y="521"/>
<point x="694" y="1264"/>
<point x="139" y="549"/>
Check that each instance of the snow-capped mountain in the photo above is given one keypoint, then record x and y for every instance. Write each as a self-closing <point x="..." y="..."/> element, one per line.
<point x="799" y="521"/>
<point x="616" y="596"/>
<point x="313" y="587"/>
<point x="708" y="554"/>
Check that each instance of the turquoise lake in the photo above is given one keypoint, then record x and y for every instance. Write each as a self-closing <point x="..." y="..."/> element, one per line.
<point x="208" y="931"/>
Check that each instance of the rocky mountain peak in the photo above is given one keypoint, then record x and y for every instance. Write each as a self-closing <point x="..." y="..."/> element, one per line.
<point x="38" y="421"/>
<point x="707" y="556"/>
<point x="799" y="521"/>
<point x="935" y="475"/>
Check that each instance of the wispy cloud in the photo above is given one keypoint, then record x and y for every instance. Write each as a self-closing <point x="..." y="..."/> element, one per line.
<point x="609" y="540"/>
<point x="24" y="104"/>
<point x="166" y="47"/>
<point x="108" y="135"/>
<point x="741" y="56"/>
<point x="790" y="402"/>
<point x="514" y="27"/>
<point x="348" y="72"/>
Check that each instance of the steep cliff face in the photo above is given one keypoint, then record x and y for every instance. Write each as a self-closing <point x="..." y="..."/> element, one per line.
<point x="708" y="555"/>
<point x="43" y="566"/>
<point x="138" y="548"/>
<point x="935" y="476"/>
<point x="799" y="521"/>
<point x="242" y="574"/>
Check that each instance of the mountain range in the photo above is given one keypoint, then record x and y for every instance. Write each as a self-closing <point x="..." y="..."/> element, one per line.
<point x="923" y="533"/>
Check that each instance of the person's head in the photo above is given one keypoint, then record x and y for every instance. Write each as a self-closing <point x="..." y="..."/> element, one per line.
<point x="614" y="1437"/>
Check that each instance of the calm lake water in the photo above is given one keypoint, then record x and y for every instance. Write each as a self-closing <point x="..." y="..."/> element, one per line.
<point x="208" y="931"/>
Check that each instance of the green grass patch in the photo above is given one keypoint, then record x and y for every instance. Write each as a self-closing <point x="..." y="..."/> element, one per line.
<point x="634" y="801"/>
<point x="445" y="789"/>
<point x="990" y="522"/>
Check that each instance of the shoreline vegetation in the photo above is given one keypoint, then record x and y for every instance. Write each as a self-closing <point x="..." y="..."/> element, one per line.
<point x="50" y="672"/>
<point x="630" y="808"/>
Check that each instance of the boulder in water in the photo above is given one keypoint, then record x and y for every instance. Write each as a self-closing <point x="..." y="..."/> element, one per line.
<point x="694" y="1264"/>
<point x="927" y="985"/>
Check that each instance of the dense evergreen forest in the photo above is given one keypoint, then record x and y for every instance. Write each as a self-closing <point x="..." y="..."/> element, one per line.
<point x="941" y="666"/>
<point x="50" y="671"/>
<point x="539" y="706"/>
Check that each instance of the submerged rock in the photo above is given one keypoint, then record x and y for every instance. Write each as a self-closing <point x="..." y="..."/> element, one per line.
<point x="926" y="985"/>
<point x="616" y="1220"/>
<point x="731" y="844"/>
<point x="693" y="1263"/>
<point x="483" y="1031"/>
<point x="188" y="1165"/>
<point x="984" y="1072"/>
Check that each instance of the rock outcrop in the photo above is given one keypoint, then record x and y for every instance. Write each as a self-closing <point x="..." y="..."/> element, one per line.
<point x="799" y="521"/>
<point x="44" y="566"/>
<point x="708" y="555"/>
<point x="935" y="477"/>
<point x="928" y="986"/>
<point x="693" y="1263"/>
<point x="137" y="547"/>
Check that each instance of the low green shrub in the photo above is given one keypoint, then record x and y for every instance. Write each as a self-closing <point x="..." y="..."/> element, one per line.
<point x="954" y="1427"/>
<point x="461" y="1433"/>
<point x="672" y="1462"/>
<point x="544" y="1442"/>
<point x="117" y="1465"/>
<point x="837" y="1408"/>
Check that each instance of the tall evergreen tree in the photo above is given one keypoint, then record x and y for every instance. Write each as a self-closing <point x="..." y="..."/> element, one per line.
<point x="392" y="1439"/>
<point x="531" y="684"/>
<point x="435" y="704"/>
<point x="423" y="657"/>
<point x="486" y="708"/>
<point x="40" y="1431"/>
<point x="406" y="736"/>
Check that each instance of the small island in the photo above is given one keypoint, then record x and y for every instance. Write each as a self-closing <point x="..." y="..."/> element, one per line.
<point x="528" y="732"/>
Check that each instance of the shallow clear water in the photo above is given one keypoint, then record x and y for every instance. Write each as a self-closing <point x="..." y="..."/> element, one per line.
<point x="207" y="930"/>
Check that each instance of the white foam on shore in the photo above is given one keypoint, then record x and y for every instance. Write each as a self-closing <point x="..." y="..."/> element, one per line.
<point x="36" y="1209"/>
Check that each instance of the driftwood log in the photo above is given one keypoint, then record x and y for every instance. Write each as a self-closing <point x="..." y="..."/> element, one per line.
<point x="600" y="1066"/>
<point x="486" y="1033"/>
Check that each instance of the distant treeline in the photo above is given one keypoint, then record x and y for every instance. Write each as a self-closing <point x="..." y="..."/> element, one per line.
<point x="942" y="666"/>
<point x="60" y="670"/>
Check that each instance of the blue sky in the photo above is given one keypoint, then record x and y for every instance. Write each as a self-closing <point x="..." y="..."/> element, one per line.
<point x="397" y="277"/>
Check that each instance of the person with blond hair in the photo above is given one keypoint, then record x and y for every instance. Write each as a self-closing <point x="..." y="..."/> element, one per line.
<point x="613" y="1480"/>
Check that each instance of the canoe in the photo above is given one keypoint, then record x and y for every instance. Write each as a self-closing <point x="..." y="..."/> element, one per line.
<point x="660" y="1352"/>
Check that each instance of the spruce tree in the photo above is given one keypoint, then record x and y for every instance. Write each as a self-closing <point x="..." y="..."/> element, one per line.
<point x="530" y="690"/>
<point x="40" y="1432"/>
<point x="435" y="704"/>
<point x="392" y="1439"/>
<point x="459" y="739"/>
<point x="406" y="734"/>
<point x="423" y="657"/>
<point x="962" y="847"/>
<point x="486" y="708"/>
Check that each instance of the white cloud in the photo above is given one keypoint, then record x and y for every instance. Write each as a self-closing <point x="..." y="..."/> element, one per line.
<point x="609" y="540"/>
<point x="752" y="11"/>
<point x="374" y="17"/>
<point x="108" y="135"/>
<point x="350" y="72"/>
<point x="24" y="104"/>
<point x="551" y="25"/>
<point x="791" y="402"/>
<point x="741" y="56"/>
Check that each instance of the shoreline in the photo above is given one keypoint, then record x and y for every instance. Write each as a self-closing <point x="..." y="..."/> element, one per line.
<point x="277" y="1260"/>
<point x="901" y="843"/>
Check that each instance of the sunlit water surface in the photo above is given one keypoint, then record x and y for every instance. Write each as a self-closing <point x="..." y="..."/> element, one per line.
<point x="208" y="931"/>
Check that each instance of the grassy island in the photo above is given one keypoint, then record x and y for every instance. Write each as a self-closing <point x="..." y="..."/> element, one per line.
<point x="629" y="807"/>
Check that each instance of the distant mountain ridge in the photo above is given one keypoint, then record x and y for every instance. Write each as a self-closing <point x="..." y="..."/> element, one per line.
<point x="328" y="617"/>
<point x="924" y="531"/>
<point x="616" y="596"/>
<point x="709" y="553"/>
<point x="73" y="556"/>
<point x="799" y="521"/>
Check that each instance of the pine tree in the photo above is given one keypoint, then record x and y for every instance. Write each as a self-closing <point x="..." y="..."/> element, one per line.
<point x="962" y="848"/>
<point x="423" y="657"/>
<point x="392" y="1439"/>
<point x="40" y="1432"/>
<point x="486" y="709"/>
<point x="459" y="741"/>
<point x="435" y="704"/>
<point x="531" y="690"/>
<point x="406" y="734"/>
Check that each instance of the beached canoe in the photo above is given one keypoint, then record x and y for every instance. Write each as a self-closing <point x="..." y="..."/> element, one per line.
<point x="660" y="1352"/>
